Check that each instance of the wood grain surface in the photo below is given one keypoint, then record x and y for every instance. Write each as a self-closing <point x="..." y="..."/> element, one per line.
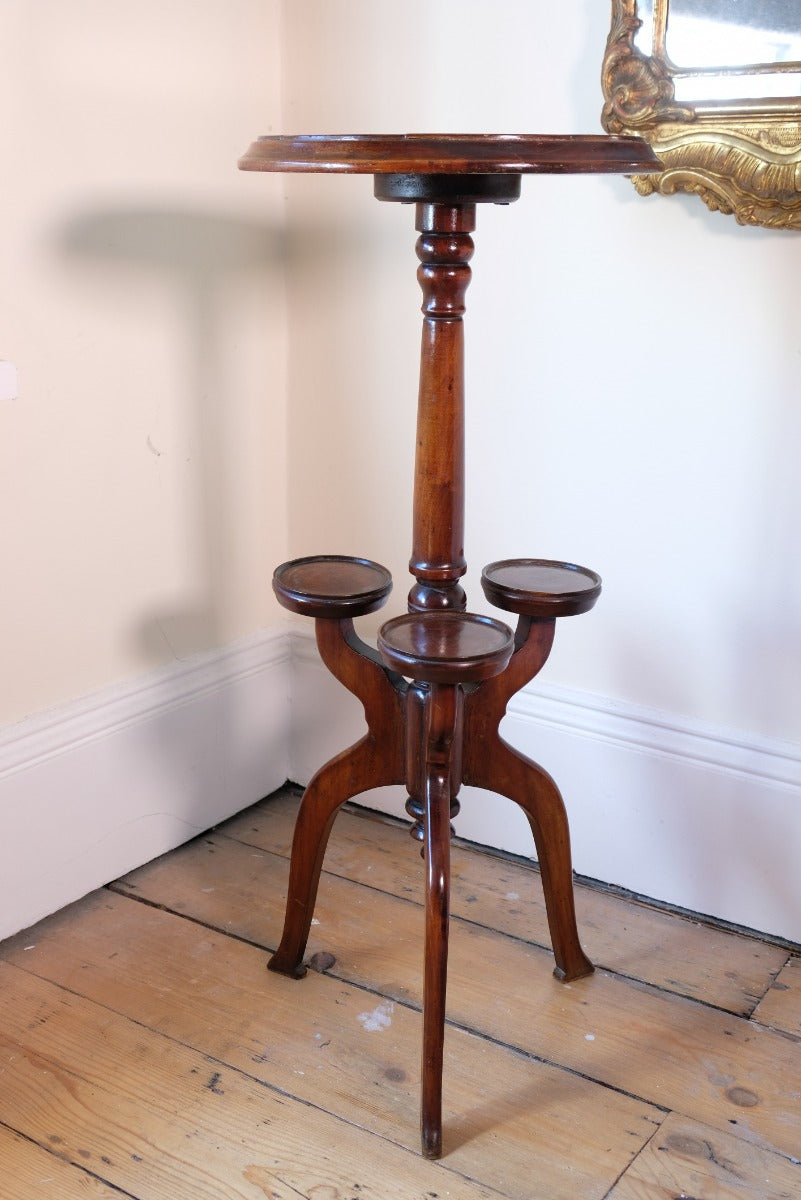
<point x="146" y="1052"/>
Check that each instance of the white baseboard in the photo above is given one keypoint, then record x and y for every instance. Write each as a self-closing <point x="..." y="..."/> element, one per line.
<point x="695" y="816"/>
<point x="688" y="814"/>
<point x="98" y="787"/>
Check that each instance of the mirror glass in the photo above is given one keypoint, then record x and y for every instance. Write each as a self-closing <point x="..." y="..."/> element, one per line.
<point x="644" y="37"/>
<point x="725" y="33"/>
<point x="739" y="41"/>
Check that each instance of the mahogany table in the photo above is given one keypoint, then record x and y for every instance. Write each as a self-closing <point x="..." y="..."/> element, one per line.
<point x="436" y="689"/>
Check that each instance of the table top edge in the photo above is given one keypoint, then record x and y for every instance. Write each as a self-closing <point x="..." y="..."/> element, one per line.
<point x="449" y="154"/>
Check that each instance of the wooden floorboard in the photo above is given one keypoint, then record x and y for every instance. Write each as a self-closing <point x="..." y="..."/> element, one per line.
<point x="780" y="1008"/>
<point x="146" y="1051"/>
<point x="312" y="1040"/>
<point x="674" y="953"/>
<point x="28" y="1170"/>
<point x="157" y="1118"/>
<point x="688" y="1161"/>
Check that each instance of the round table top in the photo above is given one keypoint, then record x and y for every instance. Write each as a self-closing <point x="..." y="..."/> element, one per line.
<point x="452" y="154"/>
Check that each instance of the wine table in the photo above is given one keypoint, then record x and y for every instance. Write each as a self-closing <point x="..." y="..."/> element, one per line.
<point x="436" y="687"/>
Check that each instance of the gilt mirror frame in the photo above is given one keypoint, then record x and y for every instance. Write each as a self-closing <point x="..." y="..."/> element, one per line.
<point x="742" y="156"/>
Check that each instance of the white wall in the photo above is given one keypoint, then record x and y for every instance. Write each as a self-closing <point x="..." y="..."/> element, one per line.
<point x="632" y="405"/>
<point x="143" y="494"/>
<point x="143" y="474"/>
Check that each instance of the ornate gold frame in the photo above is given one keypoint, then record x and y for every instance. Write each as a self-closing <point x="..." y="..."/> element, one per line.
<point x="741" y="158"/>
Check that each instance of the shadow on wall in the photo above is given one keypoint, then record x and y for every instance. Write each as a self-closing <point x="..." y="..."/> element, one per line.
<point x="199" y="255"/>
<point x="202" y="256"/>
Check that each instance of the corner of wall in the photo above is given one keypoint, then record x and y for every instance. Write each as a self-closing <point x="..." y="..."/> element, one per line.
<point x="100" y="786"/>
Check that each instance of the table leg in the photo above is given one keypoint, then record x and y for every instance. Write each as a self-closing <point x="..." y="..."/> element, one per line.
<point x="492" y="764"/>
<point x="441" y="722"/>
<point x="375" y="760"/>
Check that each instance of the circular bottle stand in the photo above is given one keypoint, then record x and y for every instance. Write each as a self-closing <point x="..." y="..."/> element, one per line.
<point x="537" y="587"/>
<point x="331" y="585"/>
<point x="445" y="647"/>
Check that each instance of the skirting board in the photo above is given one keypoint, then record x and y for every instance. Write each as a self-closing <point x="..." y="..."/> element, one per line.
<point x="694" y="816"/>
<point x="94" y="789"/>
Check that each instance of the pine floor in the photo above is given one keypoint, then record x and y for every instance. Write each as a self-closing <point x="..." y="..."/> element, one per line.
<point x="146" y="1052"/>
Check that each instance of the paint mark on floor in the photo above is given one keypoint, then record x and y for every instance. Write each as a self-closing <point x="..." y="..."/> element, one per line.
<point x="380" y="1018"/>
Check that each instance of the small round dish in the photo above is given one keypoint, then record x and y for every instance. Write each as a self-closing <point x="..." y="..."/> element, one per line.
<point x="539" y="587"/>
<point x="331" y="585"/>
<point x="445" y="647"/>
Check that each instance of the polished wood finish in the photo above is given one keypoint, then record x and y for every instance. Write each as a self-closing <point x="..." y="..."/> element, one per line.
<point x="378" y="758"/>
<point x="444" y="249"/>
<point x="436" y="782"/>
<point x="445" y="647"/>
<point x="538" y="587"/>
<point x="490" y="762"/>
<point x="452" y="154"/>
<point x="442" y="728"/>
<point x="442" y="651"/>
<point x="332" y="585"/>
